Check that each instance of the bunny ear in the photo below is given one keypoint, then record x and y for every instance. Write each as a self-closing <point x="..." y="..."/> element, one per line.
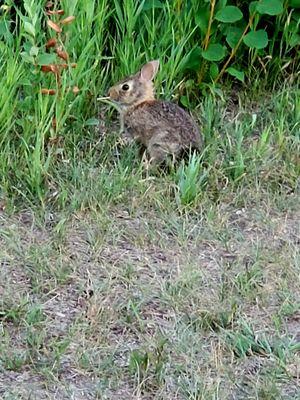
<point x="149" y="70"/>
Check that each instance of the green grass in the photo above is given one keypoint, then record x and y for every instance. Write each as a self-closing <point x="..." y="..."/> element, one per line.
<point x="160" y="286"/>
<point x="119" y="283"/>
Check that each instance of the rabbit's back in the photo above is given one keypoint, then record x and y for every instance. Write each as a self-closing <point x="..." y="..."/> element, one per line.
<point x="155" y="117"/>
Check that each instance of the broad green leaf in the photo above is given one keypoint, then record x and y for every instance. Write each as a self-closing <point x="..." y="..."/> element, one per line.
<point x="150" y="4"/>
<point x="193" y="60"/>
<point x="229" y="14"/>
<point x="27" y="47"/>
<point x="25" y="81"/>
<point x="34" y="51"/>
<point x="214" y="70"/>
<point x="184" y="101"/>
<point x="294" y="40"/>
<point x="256" y="39"/>
<point x="92" y="122"/>
<point x="202" y="18"/>
<point x="293" y="26"/>
<point x="233" y="36"/>
<point x="252" y="7"/>
<point x="294" y="3"/>
<point x="220" y="4"/>
<point x="271" y="7"/>
<point x="46" y="59"/>
<point x="5" y="30"/>
<point x="296" y="16"/>
<point x="29" y="28"/>
<point x="27" y="58"/>
<point x="237" y="74"/>
<point x="214" y="52"/>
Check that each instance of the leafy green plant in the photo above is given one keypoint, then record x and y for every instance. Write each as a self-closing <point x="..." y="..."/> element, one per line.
<point x="13" y="361"/>
<point x="190" y="180"/>
<point x="149" y="364"/>
<point x="13" y="313"/>
<point x="44" y="58"/>
<point x="245" y="343"/>
<point x="226" y="31"/>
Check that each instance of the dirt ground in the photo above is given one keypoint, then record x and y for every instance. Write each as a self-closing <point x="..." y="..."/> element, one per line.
<point x="142" y="305"/>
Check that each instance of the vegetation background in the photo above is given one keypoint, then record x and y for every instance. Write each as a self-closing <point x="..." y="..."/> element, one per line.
<point x="118" y="283"/>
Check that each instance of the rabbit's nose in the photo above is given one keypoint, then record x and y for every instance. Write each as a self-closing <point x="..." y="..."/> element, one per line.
<point x="112" y="93"/>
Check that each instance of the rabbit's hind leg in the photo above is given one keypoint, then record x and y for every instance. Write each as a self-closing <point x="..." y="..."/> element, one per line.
<point x="159" y="149"/>
<point x="157" y="153"/>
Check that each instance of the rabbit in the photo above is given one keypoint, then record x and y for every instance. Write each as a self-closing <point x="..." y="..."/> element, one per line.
<point x="162" y="127"/>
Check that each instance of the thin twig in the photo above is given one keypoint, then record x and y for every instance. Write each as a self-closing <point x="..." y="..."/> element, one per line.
<point x="206" y="39"/>
<point x="234" y="50"/>
<point x="207" y="36"/>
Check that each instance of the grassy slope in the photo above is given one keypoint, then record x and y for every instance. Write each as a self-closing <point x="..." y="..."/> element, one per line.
<point x="110" y="286"/>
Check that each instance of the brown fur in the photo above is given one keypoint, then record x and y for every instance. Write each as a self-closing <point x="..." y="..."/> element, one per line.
<point x="162" y="127"/>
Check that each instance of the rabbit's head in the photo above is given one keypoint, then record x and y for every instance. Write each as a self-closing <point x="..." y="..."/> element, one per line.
<point x="135" y="89"/>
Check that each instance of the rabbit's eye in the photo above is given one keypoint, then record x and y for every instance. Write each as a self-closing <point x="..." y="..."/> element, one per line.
<point x="125" y="87"/>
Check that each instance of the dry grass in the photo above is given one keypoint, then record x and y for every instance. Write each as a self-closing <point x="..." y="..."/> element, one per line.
<point x="144" y="303"/>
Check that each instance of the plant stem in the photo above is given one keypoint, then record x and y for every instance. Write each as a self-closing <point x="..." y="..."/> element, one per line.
<point x="207" y="36"/>
<point x="206" y="39"/>
<point x="234" y="50"/>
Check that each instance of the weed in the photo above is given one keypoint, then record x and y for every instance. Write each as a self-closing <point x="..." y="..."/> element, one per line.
<point x="190" y="181"/>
